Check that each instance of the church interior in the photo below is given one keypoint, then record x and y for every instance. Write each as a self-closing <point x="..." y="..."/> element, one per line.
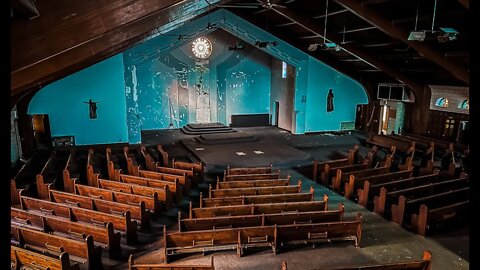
<point x="240" y="134"/>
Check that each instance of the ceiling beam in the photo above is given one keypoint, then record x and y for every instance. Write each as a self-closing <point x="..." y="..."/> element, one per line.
<point x="350" y="60"/>
<point x="465" y="3"/>
<point x="358" y="30"/>
<point x="375" y="45"/>
<point x="351" y="49"/>
<point x="369" y="70"/>
<point x="382" y="23"/>
<point x="330" y="13"/>
<point x="325" y="57"/>
<point x="310" y="37"/>
<point x="285" y="24"/>
<point x="100" y="30"/>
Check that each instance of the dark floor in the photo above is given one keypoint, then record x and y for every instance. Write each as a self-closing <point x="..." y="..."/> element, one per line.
<point x="382" y="241"/>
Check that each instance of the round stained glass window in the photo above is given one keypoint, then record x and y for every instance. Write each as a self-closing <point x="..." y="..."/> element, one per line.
<point x="202" y="48"/>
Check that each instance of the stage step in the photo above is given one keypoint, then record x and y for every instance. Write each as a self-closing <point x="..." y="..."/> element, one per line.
<point x="206" y="128"/>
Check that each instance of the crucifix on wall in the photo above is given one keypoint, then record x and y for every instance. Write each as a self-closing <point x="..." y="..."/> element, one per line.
<point x="92" y="108"/>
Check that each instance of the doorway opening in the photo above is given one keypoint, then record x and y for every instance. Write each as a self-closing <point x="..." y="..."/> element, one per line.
<point x="41" y="131"/>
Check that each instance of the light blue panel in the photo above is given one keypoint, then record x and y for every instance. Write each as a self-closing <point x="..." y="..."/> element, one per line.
<point x="300" y="102"/>
<point x="64" y="100"/>
<point x="131" y="98"/>
<point x="155" y="84"/>
<point x="347" y="94"/>
<point x="14" y="151"/>
<point x="400" y="117"/>
<point x="248" y="86"/>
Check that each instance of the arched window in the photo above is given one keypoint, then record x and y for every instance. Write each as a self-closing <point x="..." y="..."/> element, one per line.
<point x="464" y="104"/>
<point x="441" y="102"/>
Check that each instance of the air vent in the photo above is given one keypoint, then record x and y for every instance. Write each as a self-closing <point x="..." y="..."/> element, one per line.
<point x="396" y="92"/>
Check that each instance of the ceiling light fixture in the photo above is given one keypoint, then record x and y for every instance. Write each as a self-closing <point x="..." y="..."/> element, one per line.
<point x="325" y="45"/>
<point x="444" y="35"/>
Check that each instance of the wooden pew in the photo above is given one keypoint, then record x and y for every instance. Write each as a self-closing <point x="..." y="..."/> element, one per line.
<point x="72" y="165"/>
<point x="232" y="192"/>
<point x="175" y="186"/>
<point x="102" y="235"/>
<point x="137" y="211"/>
<point x="252" y="209"/>
<point x="349" y="179"/>
<point x="151" y="203"/>
<point x="79" y="250"/>
<point x="262" y="236"/>
<point x="385" y="141"/>
<point x="42" y="187"/>
<point x="93" y="172"/>
<point x="113" y="168"/>
<point x="407" y="206"/>
<point x="421" y="143"/>
<point x="198" y="169"/>
<point x="312" y="233"/>
<point x="14" y="193"/>
<point x="337" y="179"/>
<point x="182" y="179"/>
<point x="365" y="182"/>
<point x="165" y="162"/>
<point x="122" y="223"/>
<point x="428" y="169"/>
<point x="212" y="223"/>
<point x="423" y="264"/>
<point x="327" y="168"/>
<point x="186" y="174"/>
<point x="132" y="166"/>
<point x="216" y="240"/>
<point x="164" y="194"/>
<point x="257" y="199"/>
<point x="243" y="177"/>
<point x="136" y="266"/>
<point x="252" y="183"/>
<point x="50" y="171"/>
<point x="21" y="258"/>
<point x="248" y="170"/>
<point x="428" y="216"/>
<point x="150" y="164"/>
<point x="321" y="167"/>
<point x="381" y="189"/>
<point x="430" y="188"/>
<point x="416" y="195"/>
<point x="442" y="145"/>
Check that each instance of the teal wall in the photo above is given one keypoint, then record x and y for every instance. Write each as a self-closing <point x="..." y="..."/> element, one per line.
<point x="158" y="80"/>
<point x="173" y="85"/>
<point x="14" y="144"/>
<point x="400" y="117"/>
<point x="347" y="94"/>
<point x="64" y="100"/>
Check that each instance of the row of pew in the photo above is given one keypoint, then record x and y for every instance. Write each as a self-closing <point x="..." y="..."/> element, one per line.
<point x="257" y="208"/>
<point x="74" y="226"/>
<point x="417" y="202"/>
